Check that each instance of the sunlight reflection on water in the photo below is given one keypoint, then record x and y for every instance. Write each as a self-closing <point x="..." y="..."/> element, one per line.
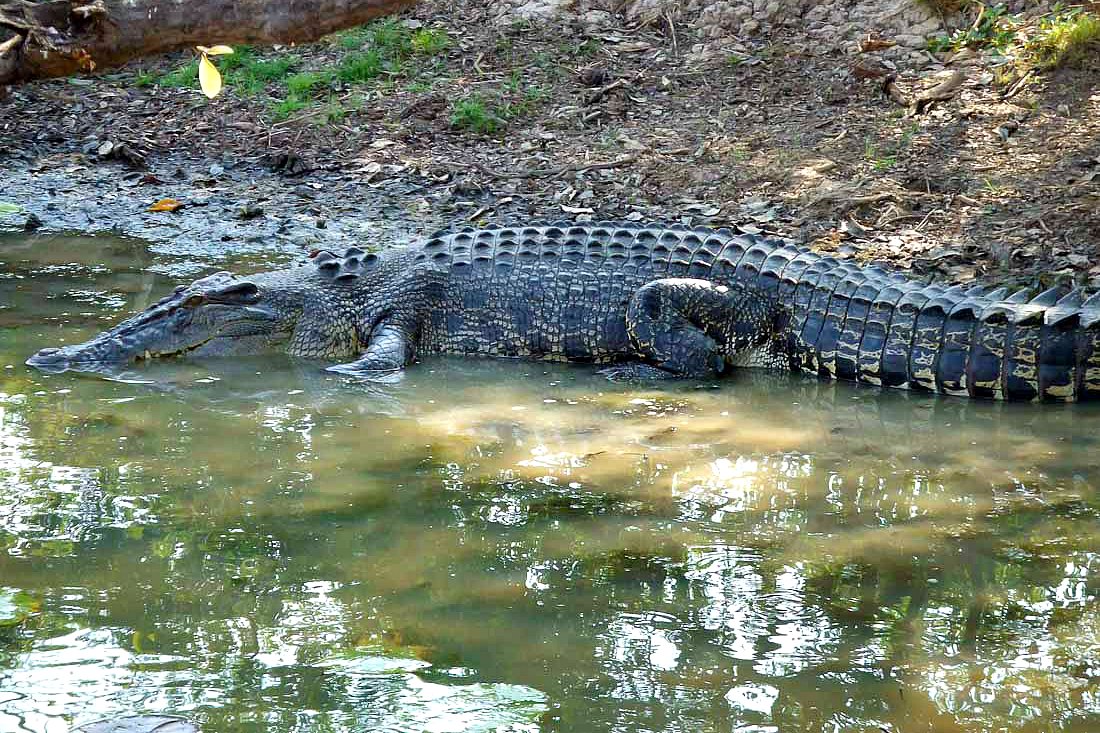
<point x="250" y="542"/>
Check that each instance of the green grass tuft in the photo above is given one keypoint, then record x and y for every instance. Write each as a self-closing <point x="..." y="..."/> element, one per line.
<point x="472" y="114"/>
<point x="241" y="70"/>
<point x="144" y="78"/>
<point x="307" y="82"/>
<point x="1066" y="39"/>
<point x="284" y="109"/>
<point x="361" y="67"/>
<point x="185" y="76"/>
<point x="257" y="73"/>
<point x="996" y="29"/>
<point x="430" y="41"/>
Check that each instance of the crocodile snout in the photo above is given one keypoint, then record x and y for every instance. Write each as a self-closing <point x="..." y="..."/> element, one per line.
<point x="49" y="358"/>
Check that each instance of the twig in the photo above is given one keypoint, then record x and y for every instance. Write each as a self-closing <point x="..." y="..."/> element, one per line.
<point x="604" y="91"/>
<point x="895" y="220"/>
<point x="9" y="44"/>
<point x="978" y="20"/>
<point x="856" y="202"/>
<point x="555" y="172"/>
<point x="672" y="31"/>
<point x="1018" y="85"/>
<point x="551" y="172"/>
<point x="891" y="90"/>
<point x="939" y="93"/>
<point x="925" y="219"/>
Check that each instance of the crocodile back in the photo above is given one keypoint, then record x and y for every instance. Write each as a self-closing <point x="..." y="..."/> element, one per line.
<point x="846" y="321"/>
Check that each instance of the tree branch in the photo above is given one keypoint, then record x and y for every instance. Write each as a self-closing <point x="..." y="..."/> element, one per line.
<point x="63" y="37"/>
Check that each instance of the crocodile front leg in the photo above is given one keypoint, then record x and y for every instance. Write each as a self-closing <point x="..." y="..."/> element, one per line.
<point x="385" y="323"/>
<point x="683" y="327"/>
<point x="390" y="348"/>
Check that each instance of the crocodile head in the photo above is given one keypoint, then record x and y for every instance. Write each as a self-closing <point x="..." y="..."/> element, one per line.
<point x="217" y="315"/>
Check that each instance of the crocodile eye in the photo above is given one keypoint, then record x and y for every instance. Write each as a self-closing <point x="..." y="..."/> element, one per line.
<point x="193" y="301"/>
<point x="238" y="291"/>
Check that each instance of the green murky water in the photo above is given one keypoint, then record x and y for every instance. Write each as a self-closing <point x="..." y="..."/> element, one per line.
<point x="262" y="547"/>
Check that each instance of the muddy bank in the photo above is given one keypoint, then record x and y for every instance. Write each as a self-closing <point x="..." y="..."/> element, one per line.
<point x="228" y="206"/>
<point x="468" y="116"/>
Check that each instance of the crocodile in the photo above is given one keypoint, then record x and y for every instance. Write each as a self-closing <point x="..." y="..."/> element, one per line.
<point x="644" y="301"/>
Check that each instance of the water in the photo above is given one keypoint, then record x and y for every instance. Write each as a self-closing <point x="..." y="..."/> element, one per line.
<point x="264" y="547"/>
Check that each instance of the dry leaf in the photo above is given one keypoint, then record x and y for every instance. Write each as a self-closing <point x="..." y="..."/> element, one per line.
<point x="209" y="78"/>
<point x="215" y="50"/>
<point x="165" y="205"/>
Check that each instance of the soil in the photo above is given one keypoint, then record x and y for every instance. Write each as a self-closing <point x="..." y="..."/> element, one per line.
<point x="597" y="117"/>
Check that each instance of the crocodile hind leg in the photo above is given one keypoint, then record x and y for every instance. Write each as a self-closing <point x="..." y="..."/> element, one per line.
<point x="682" y="327"/>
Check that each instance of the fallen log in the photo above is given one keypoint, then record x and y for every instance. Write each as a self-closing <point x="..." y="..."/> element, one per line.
<point x="52" y="38"/>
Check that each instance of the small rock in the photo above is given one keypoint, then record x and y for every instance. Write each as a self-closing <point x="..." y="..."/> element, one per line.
<point x="289" y="164"/>
<point x="249" y="211"/>
<point x="1006" y="130"/>
<point x="427" y="107"/>
<point x="595" y="18"/>
<point x="595" y="76"/>
<point x="32" y="223"/>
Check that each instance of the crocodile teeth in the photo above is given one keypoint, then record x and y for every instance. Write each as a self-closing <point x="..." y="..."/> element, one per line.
<point x="147" y="355"/>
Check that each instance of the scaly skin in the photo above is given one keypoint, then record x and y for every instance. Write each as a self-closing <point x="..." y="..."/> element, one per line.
<point x="649" y="301"/>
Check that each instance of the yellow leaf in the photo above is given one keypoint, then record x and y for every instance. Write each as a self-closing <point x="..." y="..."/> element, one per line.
<point x="165" y="205"/>
<point x="218" y="51"/>
<point x="209" y="78"/>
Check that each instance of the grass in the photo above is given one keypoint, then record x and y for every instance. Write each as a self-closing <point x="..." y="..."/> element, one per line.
<point x="284" y="109"/>
<point x="1065" y="38"/>
<point x="242" y="71"/>
<point x="995" y="29"/>
<point x="306" y="83"/>
<point x="430" y="42"/>
<point x="885" y="158"/>
<point x="358" y="68"/>
<point x="420" y="86"/>
<point x="333" y="112"/>
<point x="254" y="75"/>
<point x="379" y="53"/>
<point x="185" y="76"/>
<point x="144" y="78"/>
<point x="474" y="115"/>
<point x="588" y="48"/>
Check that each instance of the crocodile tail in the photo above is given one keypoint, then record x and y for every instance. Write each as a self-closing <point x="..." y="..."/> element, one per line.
<point x="981" y="343"/>
<point x="871" y="325"/>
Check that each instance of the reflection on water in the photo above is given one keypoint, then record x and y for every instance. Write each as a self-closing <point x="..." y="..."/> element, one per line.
<point x="266" y="547"/>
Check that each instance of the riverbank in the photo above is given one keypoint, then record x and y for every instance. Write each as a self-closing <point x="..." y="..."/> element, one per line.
<point x="968" y="162"/>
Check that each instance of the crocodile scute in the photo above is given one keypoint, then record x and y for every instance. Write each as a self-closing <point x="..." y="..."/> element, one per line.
<point x="642" y="300"/>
